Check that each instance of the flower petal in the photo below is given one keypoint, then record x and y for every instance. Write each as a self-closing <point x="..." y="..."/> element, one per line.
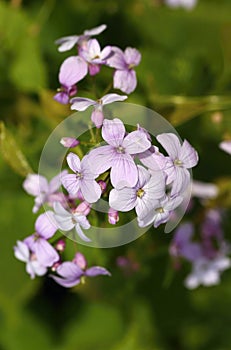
<point x="45" y="225"/>
<point x="81" y="234"/>
<point x="45" y="253"/>
<point x="96" y="271"/>
<point x="125" y="80"/>
<point x="71" y="183"/>
<point x="124" y="172"/>
<point x="69" y="270"/>
<point x="55" y="183"/>
<point x="74" y="162"/>
<point x="171" y="144"/>
<point x="81" y="103"/>
<point x="225" y="146"/>
<point x="113" y="132"/>
<point x="101" y="158"/>
<point x="109" y="98"/>
<point x="188" y="155"/>
<point x="21" y="251"/>
<point x="91" y="190"/>
<point x="72" y="70"/>
<point x="67" y="42"/>
<point x="95" y="31"/>
<point x="132" y="56"/>
<point x="135" y="142"/>
<point x="123" y="200"/>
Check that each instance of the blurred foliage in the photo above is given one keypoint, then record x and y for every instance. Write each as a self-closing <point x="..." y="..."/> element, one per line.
<point x="185" y="75"/>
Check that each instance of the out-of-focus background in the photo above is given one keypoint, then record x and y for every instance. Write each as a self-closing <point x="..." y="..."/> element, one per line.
<point x="185" y="75"/>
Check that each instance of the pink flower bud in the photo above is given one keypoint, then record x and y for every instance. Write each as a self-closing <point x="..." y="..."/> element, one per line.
<point x="83" y="208"/>
<point x="103" y="185"/>
<point x="113" y="216"/>
<point x="80" y="260"/>
<point x="69" y="142"/>
<point x="55" y="266"/>
<point x="60" y="245"/>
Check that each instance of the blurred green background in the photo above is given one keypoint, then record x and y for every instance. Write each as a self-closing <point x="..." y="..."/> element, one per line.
<point x="185" y="74"/>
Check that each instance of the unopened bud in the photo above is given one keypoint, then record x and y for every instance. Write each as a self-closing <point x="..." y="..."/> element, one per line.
<point x="60" y="245"/>
<point x="113" y="216"/>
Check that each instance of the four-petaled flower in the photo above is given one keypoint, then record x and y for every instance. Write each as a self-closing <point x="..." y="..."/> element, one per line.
<point x="160" y="212"/>
<point x="45" y="228"/>
<point x="83" y="179"/>
<point x="97" y="117"/>
<point x="38" y="186"/>
<point x="33" y="267"/>
<point x="68" y="42"/>
<point x="118" y="154"/>
<point x="142" y="197"/>
<point x="124" y="63"/>
<point x="66" y="221"/>
<point x="72" y="272"/>
<point x="181" y="158"/>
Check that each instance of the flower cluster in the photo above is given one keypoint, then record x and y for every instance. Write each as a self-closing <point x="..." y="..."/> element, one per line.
<point x="124" y="166"/>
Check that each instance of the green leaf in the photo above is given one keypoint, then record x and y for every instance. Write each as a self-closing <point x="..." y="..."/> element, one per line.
<point x="11" y="152"/>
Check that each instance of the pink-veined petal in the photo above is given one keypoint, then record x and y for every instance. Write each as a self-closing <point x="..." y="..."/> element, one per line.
<point x="69" y="270"/>
<point x="71" y="183"/>
<point x="62" y="97"/>
<point x="101" y="158"/>
<point x="113" y="132"/>
<point x="188" y="155"/>
<point x="91" y="190"/>
<point x="74" y="162"/>
<point x="109" y="98"/>
<point x="81" y="103"/>
<point x="122" y="200"/>
<point x="181" y="181"/>
<point x="72" y="70"/>
<point x="124" y="172"/>
<point x="143" y="176"/>
<point x="45" y="253"/>
<point x="132" y="56"/>
<point x="33" y="268"/>
<point x="125" y="80"/>
<point x="45" y="225"/>
<point x="171" y="144"/>
<point x="117" y="59"/>
<point x="135" y="142"/>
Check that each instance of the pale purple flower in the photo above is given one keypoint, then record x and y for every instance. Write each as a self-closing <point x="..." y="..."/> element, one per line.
<point x="91" y="52"/>
<point x="161" y="211"/>
<point x="71" y="273"/>
<point x="124" y="63"/>
<point x="97" y="117"/>
<point x="181" y="158"/>
<point x="226" y="146"/>
<point x="66" y="221"/>
<point x="69" y="142"/>
<point x="118" y="154"/>
<point x="143" y="196"/>
<point x="72" y="70"/>
<point x="187" y="4"/>
<point x="113" y="216"/>
<point x="33" y="267"/>
<point x="68" y="42"/>
<point x="83" y="179"/>
<point x="182" y="244"/>
<point x="43" y="191"/>
<point x="204" y="190"/>
<point x="207" y="272"/>
<point x="45" y="228"/>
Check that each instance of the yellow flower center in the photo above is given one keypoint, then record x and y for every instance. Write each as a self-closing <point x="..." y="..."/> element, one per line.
<point x="140" y="192"/>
